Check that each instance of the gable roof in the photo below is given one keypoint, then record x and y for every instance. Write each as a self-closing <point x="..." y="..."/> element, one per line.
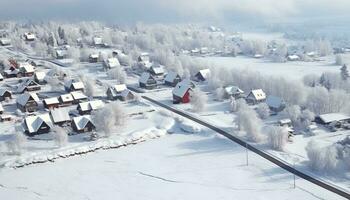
<point x="157" y="69"/>
<point x="231" y="90"/>
<point x="50" y="101"/>
<point x="257" y="94"/>
<point x="91" y="105"/>
<point x="60" y="115"/>
<point x="120" y="88"/>
<point x="181" y="89"/>
<point x="77" y="95"/>
<point x="274" y="102"/>
<point x="333" y="117"/>
<point x="30" y="36"/>
<point x="22" y="86"/>
<point x="34" y="122"/>
<point x="23" y="98"/>
<point x="112" y="62"/>
<point x="1" y="76"/>
<point x="66" y="98"/>
<point x="205" y="73"/>
<point x="171" y="76"/>
<point x="94" y="55"/>
<point x="145" y="76"/>
<point x="81" y="121"/>
<point x="78" y="85"/>
<point x="40" y="76"/>
<point x="3" y="91"/>
<point x="97" y="40"/>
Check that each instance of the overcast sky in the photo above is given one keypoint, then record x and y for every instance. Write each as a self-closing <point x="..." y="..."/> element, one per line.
<point x="131" y="11"/>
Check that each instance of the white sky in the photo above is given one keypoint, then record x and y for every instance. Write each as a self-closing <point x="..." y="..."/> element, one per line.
<point x="170" y="10"/>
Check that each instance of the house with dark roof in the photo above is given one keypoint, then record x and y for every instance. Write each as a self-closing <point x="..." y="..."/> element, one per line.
<point x="276" y="104"/>
<point x="119" y="92"/>
<point x="5" y="94"/>
<point x="202" y="75"/>
<point x="28" y="85"/>
<point x="147" y="81"/>
<point x="27" y="102"/>
<point x="83" y="124"/>
<point x="172" y="79"/>
<point x="38" y="124"/>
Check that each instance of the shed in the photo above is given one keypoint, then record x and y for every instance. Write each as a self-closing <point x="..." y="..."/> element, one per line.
<point x="29" y="36"/>
<point x="5" y="41"/>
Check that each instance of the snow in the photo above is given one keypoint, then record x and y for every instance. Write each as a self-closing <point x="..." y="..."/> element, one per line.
<point x="60" y="115"/>
<point x="66" y="97"/>
<point x="274" y="102"/>
<point x="53" y="100"/>
<point x="171" y="76"/>
<point x="181" y="88"/>
<point x="144" y="77"/>
<point x="257" y="94"/>
<point x="22" y="99"/>
<point x="77" y="95"/>
<point x="33" y="123"/>
<point x="332" y="117"/>
<point x="81" y="121"/>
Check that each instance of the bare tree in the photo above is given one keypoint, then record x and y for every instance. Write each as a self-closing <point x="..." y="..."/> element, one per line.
<point x="60" y="136"/>
<point x="277" y="137"/>
<point x="118" y="74"/>
<point x="323" y="159"/>
<point x="263" y="110"/>
<point x="17" y="144"/>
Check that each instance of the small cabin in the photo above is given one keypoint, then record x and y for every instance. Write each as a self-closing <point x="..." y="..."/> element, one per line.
<point x="276" y="104"/>
<point x="60" y="116"/>
<point x="202" y="75"/>
<point x="87" y="107"/>
<point x="233" y="91"/>
<point x="39" y="77"/>
<point x="119" y="92"/>
<point x="51" y="103"/>
<point x="61" y="54"/>
<point x="172" y="79"/>
<point x="93" y="58"/>
<point x="111" y="63"/>
<point x="6" y="118"/>
<point x="256" y="96"/>
<point x="181" y="92"/>
<point x="27" y="102"/>
<point x="73" y="85"/>
<point x="144" y="57"/>
<point x="65" y="100"/>
<point x="147" y="81"/>
<point x="38" y="124"/>
<point x="29" y="37"/>
<point x="78" y="97"/>
<point x="28" y="85"/>
<point x="83" y="124"/>
<point x="5" y="94"/>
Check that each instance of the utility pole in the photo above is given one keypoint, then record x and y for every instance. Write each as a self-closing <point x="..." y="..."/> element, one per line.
<point x="246" y="148"/>
<point x="294" y="174"/>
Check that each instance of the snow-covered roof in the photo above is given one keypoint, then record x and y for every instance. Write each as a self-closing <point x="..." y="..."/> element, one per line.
<point x="333" y="117"/>
<point x="181" y="89"/>
<point x="258" y="94"/>
<point x="91" y="105"/>
<point x="144" y="57"/>
<point x="205" y="73"/>
<point x="171" y="76"/>
<point x="60" y="115"/>
<point x="67" y="97"/>
<point x="61" y="52"/>
<point x="40" y="75"/>
<point x="1" y="108"/>
<point x="293" y="57"/>
<point x="81" y="121"/>
<point x="144" y="77"/>
<point x="77" y="95"/>
<point x="34" y="122"/>
<point x="50" y="101"/>
<point x="1" y="77"/>
<point x="5" y="41"/>
<point x="26" y="83"/>
<point x="97" y="40"/>
<point x="3" y="90"/>
<point x="95" y="55"/>
<point x="78" y="85"/>
<point x="26" y="67"/>
<point x="112" y="62"/>
<point x="158" y="69"/>
<point x="274" y="102"/>
<point x="117" y="51"/>
<point x="30" y="36"/>
<point x="125" y="93"/>
<point x="120" y="88"/>
<point x="232" y="90"/>
<point x="285" y="121"/>
<point x="23" y="98"/>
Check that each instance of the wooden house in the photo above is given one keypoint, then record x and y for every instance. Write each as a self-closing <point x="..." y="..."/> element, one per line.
<point x="27" y="102"/>
<point x="60" y="116"/>
<point x="157" y="71"/>
<point x="29" y="37"/>
<point x="28" y="85"/>
<point x="83" y="124"/>
<point x="5" y="41"/>
<point x="5" y="94"/>
<point x="12" y="72"/>
<point x="78" y="97"/>
<point x="111" y="63"/>
<point x="147" y="81"/>
<point x="87" y="107"/>
<point x="119" y="92"/>
<point x="39" y="77"/>
<point x="181" y="92"/>
<point x="66" y="100"/>
<point x="38" y="124"/>
<point x="233" y="91"/>
<point x="93" y="58"/>
<point x="51" y="103"/>
<point x="172" y="79"/>
<point x="276" y="104"/>
<point x="26" y="69"/>
<point x="202" y="75"/>
<point x="256" y="96"/>
<point x="73" y="85"/>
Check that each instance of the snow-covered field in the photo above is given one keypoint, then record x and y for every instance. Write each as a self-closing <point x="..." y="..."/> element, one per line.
<point x="177" y="166"/>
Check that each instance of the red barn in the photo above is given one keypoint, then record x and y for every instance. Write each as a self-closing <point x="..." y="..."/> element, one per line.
<point x="181" y="92"/>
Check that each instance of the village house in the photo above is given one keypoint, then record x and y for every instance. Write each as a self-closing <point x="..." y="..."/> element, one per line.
<point x="256" y="96"/>
<point x="11" y="72"/>
<point x="38" y="124"/>
<point x="1" y="109"/>
<point x="27" y="102"/>
<point x="65" y="100"/>
<point x="202" y="75"/>
<point x="61" y="53"/>
<point x="119" y="92"/>
<point x="293" y="57"/>
<point x="144" y="57"/>
<point x="111" y="63"/>
<point x="172" y="79"/>
<point x="5" y="94"/>
<point x="28" y="85"/>
<point x="5" y="41"/>
<point x="157" y="71"/>
<point x="233" y="91"/>
<point x="6" y="118"/>
<point x="51" y="103"/>
<point x="39" y="77"/>
<point x="78" y="97"/>
<point x="83" y="124"/>
<point x="117" y="52"/>
<point x="87" y="107"/>
<point x="26" y="69"/>
<point x="93" y="58"/>
<point x="276" y="104"/>
<point x="147" y="81"/>
<point x="333" y="121"/>
<point x="97" y="41"/>
<point x="60" y="116"/>
<point x="181" y="92"/>
<point x="1" y="77"/>
<point x="73" y="85"/>
<point x="29" y="37"/>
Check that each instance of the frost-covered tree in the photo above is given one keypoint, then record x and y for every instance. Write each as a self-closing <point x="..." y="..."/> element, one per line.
<point x="339" y="60"/>
<point x="263" y="110"/>
<point x="323" y="159"/>
<point x="311" y="80"/>
<point x="344" y="72"/>
<point x="277" y="137"/>
<point x="198" y="100"/>
<point x="293" y="113"/>
<point x="74" y="53"/>
<point x="233" y="104"/>
<point x="60" y="136"/>
<point x="118" y="74"/>
<point x="248" y="121"/>
<point x="52" y="40"/>
<point x="219" y="93"/>
<point x="90" y="86"/>
<point x="17" y="144"/>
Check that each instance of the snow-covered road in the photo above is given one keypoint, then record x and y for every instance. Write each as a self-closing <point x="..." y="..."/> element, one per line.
<point x="177" y="166"/>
